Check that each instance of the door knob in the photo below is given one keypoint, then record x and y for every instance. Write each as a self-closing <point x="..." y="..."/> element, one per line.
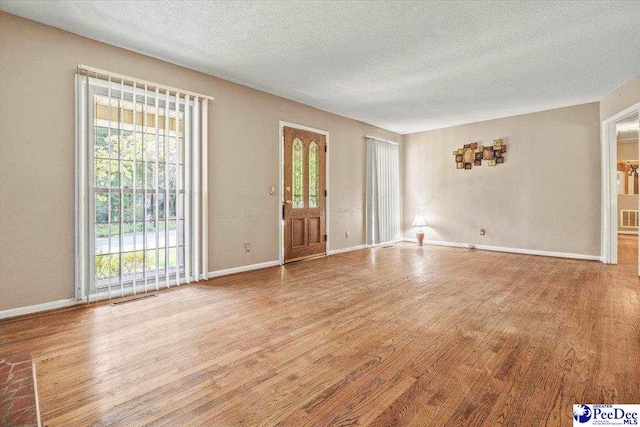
<point x="288" y="202"/>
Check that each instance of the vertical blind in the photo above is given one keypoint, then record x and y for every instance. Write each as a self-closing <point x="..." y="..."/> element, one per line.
<point x="382" y="191"/>
<point x="141" y="192"/>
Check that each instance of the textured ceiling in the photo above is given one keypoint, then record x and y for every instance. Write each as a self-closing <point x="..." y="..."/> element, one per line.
<point x="403" y="66"/>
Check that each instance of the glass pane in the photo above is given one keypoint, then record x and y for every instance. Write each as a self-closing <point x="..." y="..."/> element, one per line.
<point x="151" y="260"/>
<point x="101" y="173"/>
<point x="102" y="208"/>
<point x="127" y="207"/>
<point x="115" y="174"/>
<point x="172" y="233"/>
<point x="115" y="207"/>
<point x="114" y="142"/>
<point x="127" y="174"/>
<point x="161" y="148"/>
<point x="173" y="256"/>
<point x="160" y="168"/>
<point x="139" y="207"/>
<point x="161" y="206"/>
<point x="150" y="212"/>
<point x="128" y="261"/>
<point x="160" y="231"/>
<point x="181" y="206"/>
<point x="127" y="145"/>
<point x="172" y="206"/>
<point x="314" y="175"/>
<point x="172" y="177"/>
<point x="139" y="175"/>
<point x="298" y="178"/>
<point x="101" y="143"/>
<point x="150" y="145"/>
<point x="103" y="267"/>
<point x="173" y="150"/>
<point x="107" y="234"/>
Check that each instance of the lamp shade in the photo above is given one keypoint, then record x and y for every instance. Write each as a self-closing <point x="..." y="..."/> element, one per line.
<point x="419" y="221"/>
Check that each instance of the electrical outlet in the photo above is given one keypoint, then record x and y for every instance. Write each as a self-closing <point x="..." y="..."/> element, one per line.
<point x="346" y="234"/>
<point x="247" y="247"/>
<point x="482" y="232"/>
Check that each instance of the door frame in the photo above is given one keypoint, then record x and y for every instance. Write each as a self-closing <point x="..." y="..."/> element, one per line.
<point x="281" y="127"/>
<point x="609" y="217"/>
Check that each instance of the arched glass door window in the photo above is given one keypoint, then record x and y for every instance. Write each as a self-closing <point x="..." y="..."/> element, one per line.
<point x="298" y="174"/>
<point x="314" y="175"/>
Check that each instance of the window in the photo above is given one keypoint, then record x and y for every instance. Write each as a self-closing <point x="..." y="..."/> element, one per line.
<point x="382" y="191"/>
<point x="314" y="175"/>
<point x="139" y="150"/>
<point x="298" y="173"/>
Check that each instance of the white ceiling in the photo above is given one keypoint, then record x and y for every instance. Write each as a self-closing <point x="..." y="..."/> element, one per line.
<point x="403" y="66"/>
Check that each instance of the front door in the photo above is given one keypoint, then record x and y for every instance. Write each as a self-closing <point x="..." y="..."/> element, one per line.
<point x="304" y="194"/>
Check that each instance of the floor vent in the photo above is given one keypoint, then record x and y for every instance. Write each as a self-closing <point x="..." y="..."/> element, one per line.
<point x="141" y="297"/>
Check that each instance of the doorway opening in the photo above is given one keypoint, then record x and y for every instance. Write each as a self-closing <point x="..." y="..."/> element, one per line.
<point x="303" y="192"/>
<point x="620" y="188"/>
<point x="627" y="189"/>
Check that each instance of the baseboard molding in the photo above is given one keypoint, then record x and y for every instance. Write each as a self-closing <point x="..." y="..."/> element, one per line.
<point x="540" y="253"/>
<point x="349" y="249"/>
<point x="21" y="311"/>
<point x="511" y="250"/>
<point x="241" y="269"/>
<point x="359" y="247"/>
<point x="440" y="243"/>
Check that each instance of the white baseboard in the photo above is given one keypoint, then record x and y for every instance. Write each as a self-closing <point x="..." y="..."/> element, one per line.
<point x="349" y="249"/>
<point x="20" y="311"/>
<point x="359" y="247"/>
<point x="243" y="268"/>
<point x="511" y="250"/>
<point x="540" y="253"/>
<point x="439" y="243"/>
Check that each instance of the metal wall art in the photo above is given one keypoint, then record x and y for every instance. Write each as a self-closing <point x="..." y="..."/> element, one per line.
<point x="473" y="154"/>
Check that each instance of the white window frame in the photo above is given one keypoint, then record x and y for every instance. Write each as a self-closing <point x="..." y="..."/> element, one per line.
<point x="193" y="182"/>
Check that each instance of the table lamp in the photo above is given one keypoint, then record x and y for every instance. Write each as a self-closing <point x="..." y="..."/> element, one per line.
<point x="419" y="222"/>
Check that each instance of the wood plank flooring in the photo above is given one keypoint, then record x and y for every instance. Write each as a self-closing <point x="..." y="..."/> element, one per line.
<point x="403" y="335"/>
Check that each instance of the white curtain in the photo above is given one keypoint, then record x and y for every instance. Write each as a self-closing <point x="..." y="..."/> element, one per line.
<point x="382" y="191"/>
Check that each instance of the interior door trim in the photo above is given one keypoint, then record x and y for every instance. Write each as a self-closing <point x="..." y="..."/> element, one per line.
<point x="282" y="125"/>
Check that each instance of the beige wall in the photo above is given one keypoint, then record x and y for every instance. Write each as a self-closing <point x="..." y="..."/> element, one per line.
<point x="546" y="196"/>
<point x="628" y="150"/>
<point x="37" y="65"/>
<point x="620" y="99"/>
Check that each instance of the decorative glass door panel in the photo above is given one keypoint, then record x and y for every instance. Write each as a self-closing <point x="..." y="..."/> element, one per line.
<point x="304" y="194"/>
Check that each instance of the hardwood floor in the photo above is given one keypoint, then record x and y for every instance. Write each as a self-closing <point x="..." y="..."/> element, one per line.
<point x="628" y="249"/>
<point x="403" y="335"/>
